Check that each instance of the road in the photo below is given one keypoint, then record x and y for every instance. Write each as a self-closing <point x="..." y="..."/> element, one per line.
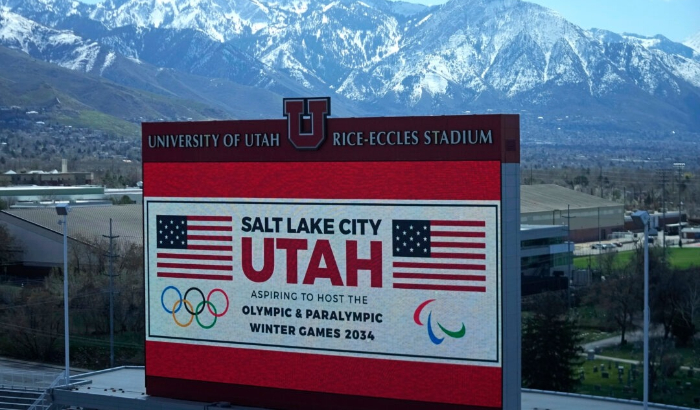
<point x="585" y="248"/>
<point x="631" y="336"/>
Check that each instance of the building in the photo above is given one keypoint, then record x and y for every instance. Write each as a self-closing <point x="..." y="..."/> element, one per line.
<point x="659" y="221"/>
<point x="32" y="196"/>
<point x="588" y="217"/>
<point x="546" y="258"/>
<point x="43" y="178"/>
<point x="42" y="196"/>
<point x="690" y="234"/>
<point x="41" y="237"/>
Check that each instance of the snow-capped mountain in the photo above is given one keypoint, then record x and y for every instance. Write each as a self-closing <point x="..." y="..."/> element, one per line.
<point x="65" y="49"/>
<point x="61" y="47"/>
<point x="693" y="42"/>
<point x="518" y="51"/>
<point x="382" y="57"/>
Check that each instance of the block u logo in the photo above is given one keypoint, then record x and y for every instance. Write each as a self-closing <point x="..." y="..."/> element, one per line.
<point x="306" y="121"/>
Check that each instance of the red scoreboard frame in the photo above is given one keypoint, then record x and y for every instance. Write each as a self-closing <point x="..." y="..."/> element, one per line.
<point x="310" y="157"/>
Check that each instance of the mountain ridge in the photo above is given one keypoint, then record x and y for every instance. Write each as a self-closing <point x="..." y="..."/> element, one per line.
<point x="381" y="58"/>
<point x="72" y="98"/>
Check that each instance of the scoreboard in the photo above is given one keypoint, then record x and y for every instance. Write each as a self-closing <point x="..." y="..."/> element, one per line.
<point x="321" y="263"/>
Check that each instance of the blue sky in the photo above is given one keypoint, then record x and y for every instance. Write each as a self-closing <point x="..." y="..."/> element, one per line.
<point x="675" y="19"/>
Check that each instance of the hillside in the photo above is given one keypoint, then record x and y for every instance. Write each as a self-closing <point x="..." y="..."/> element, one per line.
<point x="376" y="57"/>
<point x="69" y="97"/>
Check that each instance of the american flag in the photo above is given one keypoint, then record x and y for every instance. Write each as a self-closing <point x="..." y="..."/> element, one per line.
<point x="194" y="247"/>
<point x="439" y="255"/>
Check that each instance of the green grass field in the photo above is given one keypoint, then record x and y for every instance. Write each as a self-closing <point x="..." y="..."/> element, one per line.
<point x="680" y="258"/>
<point x="630" y="351"/>
<point x="634" y="351"/>
<point x="680" y="390"/>
<point x="684" y="258"/>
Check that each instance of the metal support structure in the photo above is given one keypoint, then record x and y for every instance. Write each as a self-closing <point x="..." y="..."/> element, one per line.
<point x="569" y="252"/>
<point x="600" y="246"/>
<point x="663" y="207"/>
<point x="66" y="327"/>
<point x="639" y="218"/>
<point x="568" y="229"/>
<point x="646" y="315"/>
<point x="680" y="166"/>
<point x="62" y="210"/>
<point x="111" y="275"/>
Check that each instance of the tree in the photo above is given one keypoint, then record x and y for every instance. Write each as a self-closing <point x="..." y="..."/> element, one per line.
<point x="621" y="295"/>
<point x="665" y="286"/>
<point x="124" y="200"/>
<point x="10" y="249"/>
<point x="663" y="299"/>
<point x="663" y="363"/>
<point x="33" y="324"/>
<point x="687" y="304"/>
<point x="581" y="180"/>
<point x="550" y="346"/>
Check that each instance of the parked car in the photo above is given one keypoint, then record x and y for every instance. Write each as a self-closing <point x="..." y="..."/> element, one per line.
<point x="618" y="244"/>
<point x="596" y="246"/>
<point x="608" y="246"/>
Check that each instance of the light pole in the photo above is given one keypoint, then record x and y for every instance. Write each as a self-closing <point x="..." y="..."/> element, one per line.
<point x="642" y="218"/>
<point x="679" y="166"/>
<point x="568" y="235"/>
<point x="569" y="251"/>
<point x="62" y="210"/>
<point x="111" y="275"/>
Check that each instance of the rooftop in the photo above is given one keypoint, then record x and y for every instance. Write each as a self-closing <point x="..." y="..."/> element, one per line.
<point x="50" y="191"/>
<point x="124" y="387"/>
<point x="89" y="222"/>
<point x="550" y="197"/>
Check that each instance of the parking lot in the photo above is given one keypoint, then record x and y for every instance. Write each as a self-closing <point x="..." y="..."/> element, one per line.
<point x="623" y="244"/>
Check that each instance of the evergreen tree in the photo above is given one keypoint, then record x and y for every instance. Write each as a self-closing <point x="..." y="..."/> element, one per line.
<point x="10" y="249"/>
<point x="550" y="346"/>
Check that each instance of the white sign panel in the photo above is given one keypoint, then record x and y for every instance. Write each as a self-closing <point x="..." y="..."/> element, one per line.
<point x="406" y="280"/>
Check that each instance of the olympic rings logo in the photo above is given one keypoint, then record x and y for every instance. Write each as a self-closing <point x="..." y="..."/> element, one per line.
<point x="194" y="312"/>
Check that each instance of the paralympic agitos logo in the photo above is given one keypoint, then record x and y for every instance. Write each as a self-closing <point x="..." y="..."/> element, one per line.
<point x="431" y="334"/>
<point x="306" y="121"/>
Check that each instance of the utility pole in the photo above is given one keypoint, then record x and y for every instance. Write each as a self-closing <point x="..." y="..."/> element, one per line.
<point x="111" y="275"/>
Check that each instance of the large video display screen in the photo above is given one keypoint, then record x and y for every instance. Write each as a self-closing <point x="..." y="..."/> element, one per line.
<point x="309" y="261"/>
